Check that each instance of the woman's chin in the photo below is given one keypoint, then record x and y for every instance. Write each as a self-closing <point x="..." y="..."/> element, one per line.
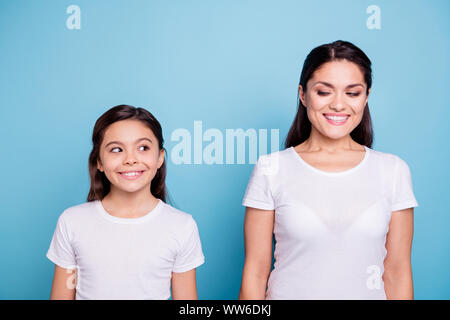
<point x="336" y="134"/>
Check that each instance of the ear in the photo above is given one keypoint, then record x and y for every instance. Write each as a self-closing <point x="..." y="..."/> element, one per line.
<point x="161" y="158"/>
<point x="301" y="94"/>
<point x="368" y="93"/>
<point x="99" y="165"/>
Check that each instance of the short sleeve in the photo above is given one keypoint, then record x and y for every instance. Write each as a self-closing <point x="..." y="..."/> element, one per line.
<point x="403" y="195"/>
<point x="258" y="193"/>
<point x="61" y="252"/>
<point x="190" y="255"/>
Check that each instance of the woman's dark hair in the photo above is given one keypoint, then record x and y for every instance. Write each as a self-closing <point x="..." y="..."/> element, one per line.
<point x="338" y="50"/>
<point x="100" y="185"/>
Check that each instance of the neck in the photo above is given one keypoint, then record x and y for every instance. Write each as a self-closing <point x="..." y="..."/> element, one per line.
<point x="130" y="203"/>
<point x="317" y="142"/>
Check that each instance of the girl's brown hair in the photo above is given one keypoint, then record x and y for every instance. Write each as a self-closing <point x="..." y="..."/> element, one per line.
<point x="338" y="50"/>
<point x="100" y="185"/>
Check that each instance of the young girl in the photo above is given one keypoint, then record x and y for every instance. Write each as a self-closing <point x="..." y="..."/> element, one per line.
<point x="125" y="242"/>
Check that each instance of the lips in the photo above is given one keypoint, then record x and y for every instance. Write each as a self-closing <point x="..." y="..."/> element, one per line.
<point x="131" y="175"/>
<point x="337" y="119"/>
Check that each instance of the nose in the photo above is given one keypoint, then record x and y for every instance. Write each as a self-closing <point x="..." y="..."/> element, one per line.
<point x="337" y="103"/>
<point x="130" y="158"/>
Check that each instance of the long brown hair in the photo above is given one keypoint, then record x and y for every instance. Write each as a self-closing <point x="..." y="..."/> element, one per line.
<point x="338" y="50"/>
<point x="100" y="185"/>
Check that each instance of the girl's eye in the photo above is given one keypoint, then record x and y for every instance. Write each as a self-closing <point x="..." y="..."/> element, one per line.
<point x="117" y="149"/>
<point x="322" y="93"/>
<point x="353" y="94"/>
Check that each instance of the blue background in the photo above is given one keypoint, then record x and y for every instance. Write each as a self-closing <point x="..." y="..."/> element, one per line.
<point x="230" y="64"/>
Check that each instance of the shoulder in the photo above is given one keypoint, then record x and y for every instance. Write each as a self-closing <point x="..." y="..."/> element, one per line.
<point x="276" y="155"/>
<point x="176" y="218"/>
<point x="270" y="164"/>
<point x="79" y="212"/>
<point x="384" y="157"/>
<point x="388" y="160"/>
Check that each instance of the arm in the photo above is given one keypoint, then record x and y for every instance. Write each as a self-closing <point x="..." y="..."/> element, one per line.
<point x="258" y="232"/>
<point x="184" y="285"/>
<point x="397" y="275"/>
<point x="63" y="287"/>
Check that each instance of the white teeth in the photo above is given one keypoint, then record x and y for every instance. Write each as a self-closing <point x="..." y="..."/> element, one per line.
<point x="131" y="174"/>
<point x="336" y="118"/>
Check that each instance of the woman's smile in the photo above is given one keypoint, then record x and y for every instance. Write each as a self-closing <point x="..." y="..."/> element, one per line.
<point x="337" y="119"/>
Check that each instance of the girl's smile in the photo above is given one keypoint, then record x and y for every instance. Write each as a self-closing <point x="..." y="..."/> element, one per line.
<point x="131" y="175"/>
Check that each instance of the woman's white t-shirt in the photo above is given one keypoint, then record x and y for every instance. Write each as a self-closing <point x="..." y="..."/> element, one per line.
<point x="330" y="227"/>
<point x="121" y="258"/>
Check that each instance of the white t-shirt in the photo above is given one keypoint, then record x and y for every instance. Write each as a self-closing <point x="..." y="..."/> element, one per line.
<point x="125" y="258"/>
<point x="330" y="227"/>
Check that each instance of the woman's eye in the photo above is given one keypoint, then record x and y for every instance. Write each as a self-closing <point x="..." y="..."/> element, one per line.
<point x="143" y="148"/>
<point x="116" y="148"/>
<point x="353" y="94"/>
<point x="322" y="93"/>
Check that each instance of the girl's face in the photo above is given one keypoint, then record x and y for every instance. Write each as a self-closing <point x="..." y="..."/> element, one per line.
<point x="335" y="98"/>
<point x="130" y="155"/>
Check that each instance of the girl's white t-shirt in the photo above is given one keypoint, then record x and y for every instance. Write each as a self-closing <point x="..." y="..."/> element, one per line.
<point x="330" y="227"/>
<point x="121" y="258"/>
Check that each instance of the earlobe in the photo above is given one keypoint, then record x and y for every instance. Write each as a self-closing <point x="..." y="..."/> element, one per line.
<point x="301" y="95"/>
<point x="161" y="158"/>
<point x="99" y="166"/>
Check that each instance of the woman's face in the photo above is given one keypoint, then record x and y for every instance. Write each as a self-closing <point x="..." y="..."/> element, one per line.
<point x="130" y="155"/>
<point x="335" y="98"/>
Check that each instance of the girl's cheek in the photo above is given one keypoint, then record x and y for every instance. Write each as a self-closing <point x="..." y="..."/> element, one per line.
<point x="111" y="162"/>
<point x="152" y="159"/>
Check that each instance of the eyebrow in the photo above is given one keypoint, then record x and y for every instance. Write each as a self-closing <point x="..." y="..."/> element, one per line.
<point x="331" y="86"/>
<point x="118" y="142"/>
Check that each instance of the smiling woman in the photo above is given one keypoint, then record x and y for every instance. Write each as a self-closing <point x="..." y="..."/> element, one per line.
<point x="332" y="199"/>
<point x="334" y="75"/>
<point x="344" y="92"/>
